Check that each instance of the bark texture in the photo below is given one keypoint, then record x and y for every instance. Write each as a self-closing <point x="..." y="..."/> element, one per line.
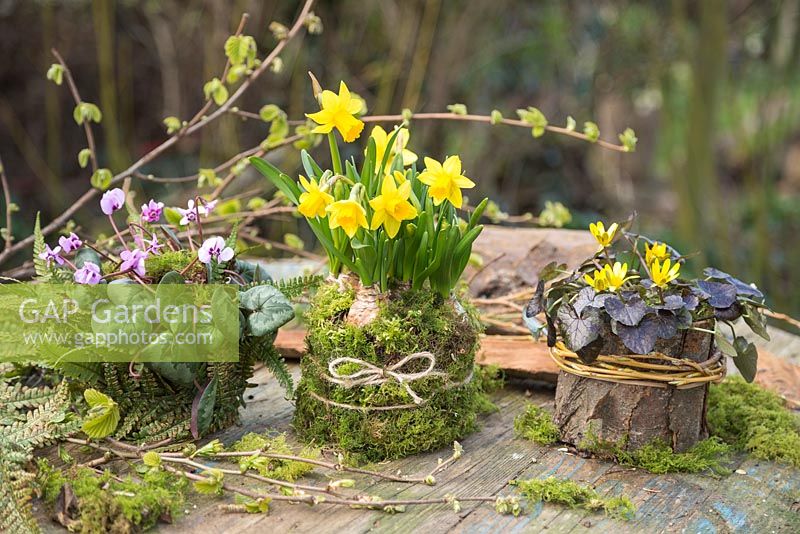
<point x="635" y="415"/>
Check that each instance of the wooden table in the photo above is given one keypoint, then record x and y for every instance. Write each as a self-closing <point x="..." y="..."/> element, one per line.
<point x="763" y="500"/>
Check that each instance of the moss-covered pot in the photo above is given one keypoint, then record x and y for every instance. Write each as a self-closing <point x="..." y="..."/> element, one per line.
<point x="382" y="419"/>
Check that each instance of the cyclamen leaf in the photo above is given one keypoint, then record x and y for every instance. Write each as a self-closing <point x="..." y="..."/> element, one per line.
<point x="579" y="331"/>
<point x="628" y="313"/>
<point x="719" y="295"/>
<point x="641" y="339"/>
<point x="746" y="359"/>
<point x="270" y="309"/>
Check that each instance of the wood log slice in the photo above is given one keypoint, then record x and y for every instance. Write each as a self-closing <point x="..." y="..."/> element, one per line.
<point x="632" y="415"/>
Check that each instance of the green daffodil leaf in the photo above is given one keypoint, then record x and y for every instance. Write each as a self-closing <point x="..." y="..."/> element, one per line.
<point x="103" y="415"/>
<point x="269" y="309"/>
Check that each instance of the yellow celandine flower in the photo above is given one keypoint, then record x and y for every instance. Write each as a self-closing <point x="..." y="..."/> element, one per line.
<point x="314" y="201"/>
<point x="445" y="180"/>
<point x="662" y="274"/>
<point x="338" y="112"/>
<point x="615" y="276"/>
<point x="603" y="236"/>
<point x="656" y="251"/>
<point x="392" y="206"/>
<point x="598" y="282"/>
<point x="381" y="138"/>
<point x="347" y="214"/>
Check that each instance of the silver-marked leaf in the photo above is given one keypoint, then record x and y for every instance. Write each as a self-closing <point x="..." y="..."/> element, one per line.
<point x="86" y="254"/>
<point x="719" y="294"/>
<point x="269" y="309"/>
<point x="579" y="331"/>
<point x="628" y="313"/>
<point x="642" y="338"/>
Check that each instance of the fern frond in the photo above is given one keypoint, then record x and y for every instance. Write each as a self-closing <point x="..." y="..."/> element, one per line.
<point x="277" y="365"/>
<point x="15" y="496"/>
<point x="40" y="266"/>
<point x="293" y="287"/>
<point x="17" y="397"/>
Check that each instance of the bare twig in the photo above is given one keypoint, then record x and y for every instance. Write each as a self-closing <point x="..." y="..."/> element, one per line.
<point x="7" y="199"/>
<point x="60" y="220"/>
<point x="87" y="127"/>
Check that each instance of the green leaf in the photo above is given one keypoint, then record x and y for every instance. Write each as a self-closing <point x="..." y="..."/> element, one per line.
<point x="211" y="484"/>
<point x="103" y="416"/>
<point x="203" y="408"/>
<point x="216" y="90"/>
<point x="173" y="124"/>
<point x="83" y="157"/>
<point x="286" y="185"/>
<point x="293" y="241"/>
<point x="722" y="342"/>
<point x="240" y="49"/>
<point x="270" y="112"/>
<point x="756" y="321"/>
<point x="86" y="111"/>
<point x="172" y="216"/>
<point x="535" y="118"/>
<point x="628" y="139"/>
<point x="269" y="309"/>
<point x="208" y="178"/>
<point x="570" y="123"/>
<point x="457" y="109"/>
<point x="151" y="459"/>
<point x="56" y="73"/>
<point x="496" y="117"/>
<point x="101" y="179"/>
<point x="746" y="359"/>
<point x="591" y="131"/>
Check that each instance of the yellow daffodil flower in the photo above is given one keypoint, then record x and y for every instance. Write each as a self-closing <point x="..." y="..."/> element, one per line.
<point x="314" y="201"/>
<point x="338" y="111"/>
<point x="615" y="276"/>
<point x="392" y="206"/>
<point x="445" y="180"/>
<point x="381" y="138"/>
<point x="603" y="236"/>
<point x="347" y="214"/>
<point x="599" y="282"/>
<point x="658" y="251"/>
<point x="399" y="177"/>
<point x="662" y="274"/>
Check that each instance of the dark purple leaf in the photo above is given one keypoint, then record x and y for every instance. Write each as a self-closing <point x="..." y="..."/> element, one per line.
<point x="642" y="338"/>
<point x="671" y="302"/>
<point x="691" y="301"/>
<point x="536" y="304"/>
<point x="628" y="313"/>
<point x="579" y="330"/>
<point x="590" y="352"/>
<point x="741" y="288"/>
<point x="719" y="294"/>
<point x="551" y="331"/>
<point x="731" y="313"/>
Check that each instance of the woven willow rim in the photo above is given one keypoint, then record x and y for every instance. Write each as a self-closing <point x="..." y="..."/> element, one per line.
<point x="642" y="369"/>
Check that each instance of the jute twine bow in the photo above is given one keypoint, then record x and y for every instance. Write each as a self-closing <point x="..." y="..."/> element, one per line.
<point x="654" y="369"/>
<point x="372" y="375"/>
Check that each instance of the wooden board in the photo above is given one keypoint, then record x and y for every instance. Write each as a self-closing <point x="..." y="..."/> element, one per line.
<point x="761" y="500"/>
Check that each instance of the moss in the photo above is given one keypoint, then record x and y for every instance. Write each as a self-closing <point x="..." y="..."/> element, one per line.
<point x="407" y="322"/>
<point x="536" y="424"/>
<point x="106" y="504"/>
<point x="157" y="265"/>
<point x="574" y="495"/>
<point x="288" y="470"/>
<point x="755" y="420"/>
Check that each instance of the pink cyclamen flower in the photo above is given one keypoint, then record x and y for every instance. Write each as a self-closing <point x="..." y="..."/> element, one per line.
<point x="112" y="201"/>
<point x="88" y="274"/>
<point x="214" y="248"/>
<point x="133" y="260"/>
<point x="151" y="246"/>
<point x="52" y="255"/>
<point x="207" y="207"/>
<point x="189" y="215"/>
<point x="151" y="212"/>
<point x="70" y="242"/>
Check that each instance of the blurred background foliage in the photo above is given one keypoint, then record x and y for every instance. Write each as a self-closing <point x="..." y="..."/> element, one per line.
<point x="710" y="87"/>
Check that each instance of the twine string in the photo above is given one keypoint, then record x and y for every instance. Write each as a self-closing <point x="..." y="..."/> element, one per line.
<point x="372" y="375"/>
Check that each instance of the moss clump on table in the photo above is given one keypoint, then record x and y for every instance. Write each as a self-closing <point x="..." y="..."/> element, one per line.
<point x="755" y="420"/>
<point x="536" y="424"/>
<point x="407" y="322"/>
<point x="109" y="504"/>
<point x="574" y="495"/>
